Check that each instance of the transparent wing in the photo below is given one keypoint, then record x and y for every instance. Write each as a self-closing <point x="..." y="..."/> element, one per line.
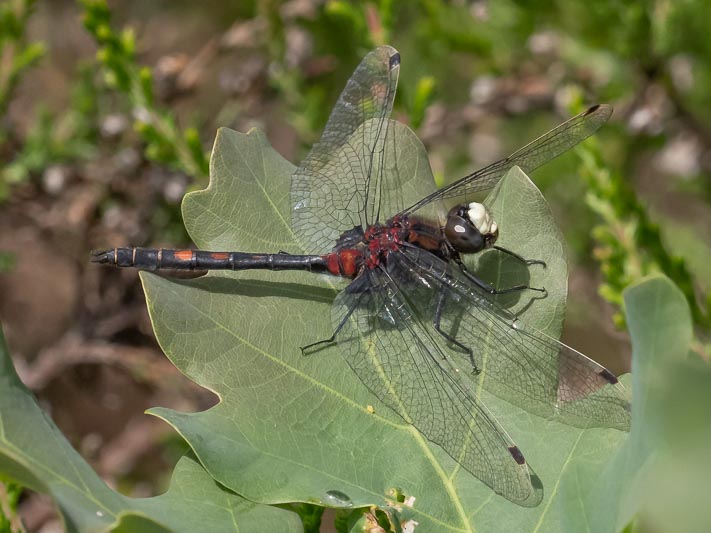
<point x="336" y="187"/>
<point x="530" y="157"/>
<point x="521" y="365"/>
<point x="399" y="359"/>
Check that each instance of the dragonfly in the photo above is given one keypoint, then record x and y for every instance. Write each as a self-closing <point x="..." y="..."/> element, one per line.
<point x="415" y="324"/>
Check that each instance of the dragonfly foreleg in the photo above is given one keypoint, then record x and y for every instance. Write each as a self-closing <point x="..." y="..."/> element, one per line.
<point x="525" y="261"/>
<point x="441" y="299"/>
<point x="490" y="289"/>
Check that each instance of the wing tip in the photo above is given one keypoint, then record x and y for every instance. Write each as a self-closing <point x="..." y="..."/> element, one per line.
<point x="395" y="60"/>
<point x="515" y="452"/>
<point x="602" y="109"/>
<point x="608" y="376"/>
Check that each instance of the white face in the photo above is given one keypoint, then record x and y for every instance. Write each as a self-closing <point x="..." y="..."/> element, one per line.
<point x="481" y="219"/>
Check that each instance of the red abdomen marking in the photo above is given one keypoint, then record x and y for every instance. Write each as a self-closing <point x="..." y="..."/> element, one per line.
<point x="183" y="255"/>
<point x="349" y="262"/>
<point x="344" y="262"/>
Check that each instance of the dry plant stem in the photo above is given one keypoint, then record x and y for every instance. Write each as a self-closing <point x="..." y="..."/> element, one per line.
<point x="72" y="350"/>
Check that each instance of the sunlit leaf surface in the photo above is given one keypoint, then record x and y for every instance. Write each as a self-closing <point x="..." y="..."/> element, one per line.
<point x="35" y="454"/>
<point x="302" y="428"/>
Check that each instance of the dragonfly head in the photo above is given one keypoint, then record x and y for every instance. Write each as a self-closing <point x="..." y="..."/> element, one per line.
<point x="470" y="228"/>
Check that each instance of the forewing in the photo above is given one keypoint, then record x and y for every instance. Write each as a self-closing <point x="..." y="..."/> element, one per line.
<point x="536" y="153"/>
<point x="396" y="356"/>
<point x="520" y="364"/>
<point x="337" y="185"/>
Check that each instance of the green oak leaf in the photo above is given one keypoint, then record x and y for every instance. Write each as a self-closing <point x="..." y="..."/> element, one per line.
<point x="615" y="491"/>
<point x="662" y="472"/>
<point x="35" y="454"/>
<point x="290" y="427"/>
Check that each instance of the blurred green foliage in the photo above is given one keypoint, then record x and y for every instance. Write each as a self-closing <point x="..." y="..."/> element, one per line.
<point x="17" y="54"/>
<point x="16" y="57"/>
<point x="629" y="245"/>
<point x="7" y="261"/>
<point x="9" y="499"/>
<point x="56" y="138"/>
<point x="165" y="142"/>
<point x="309" y="514"/>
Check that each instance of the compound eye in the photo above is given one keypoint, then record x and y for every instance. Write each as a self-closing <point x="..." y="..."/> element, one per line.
<point x="464" y="237"/>
<point x="458" y="211"/>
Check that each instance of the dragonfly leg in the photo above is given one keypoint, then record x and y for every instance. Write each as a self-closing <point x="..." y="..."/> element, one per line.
<point x="525" y="261"/>
<point x="332" y="338"/>
<point x="441" y="298"/>
<point x="491" y="290"/>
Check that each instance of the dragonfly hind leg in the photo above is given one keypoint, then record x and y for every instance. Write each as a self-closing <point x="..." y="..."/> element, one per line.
<point x="332" y="338"/>
<point x="436" y="323"/>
